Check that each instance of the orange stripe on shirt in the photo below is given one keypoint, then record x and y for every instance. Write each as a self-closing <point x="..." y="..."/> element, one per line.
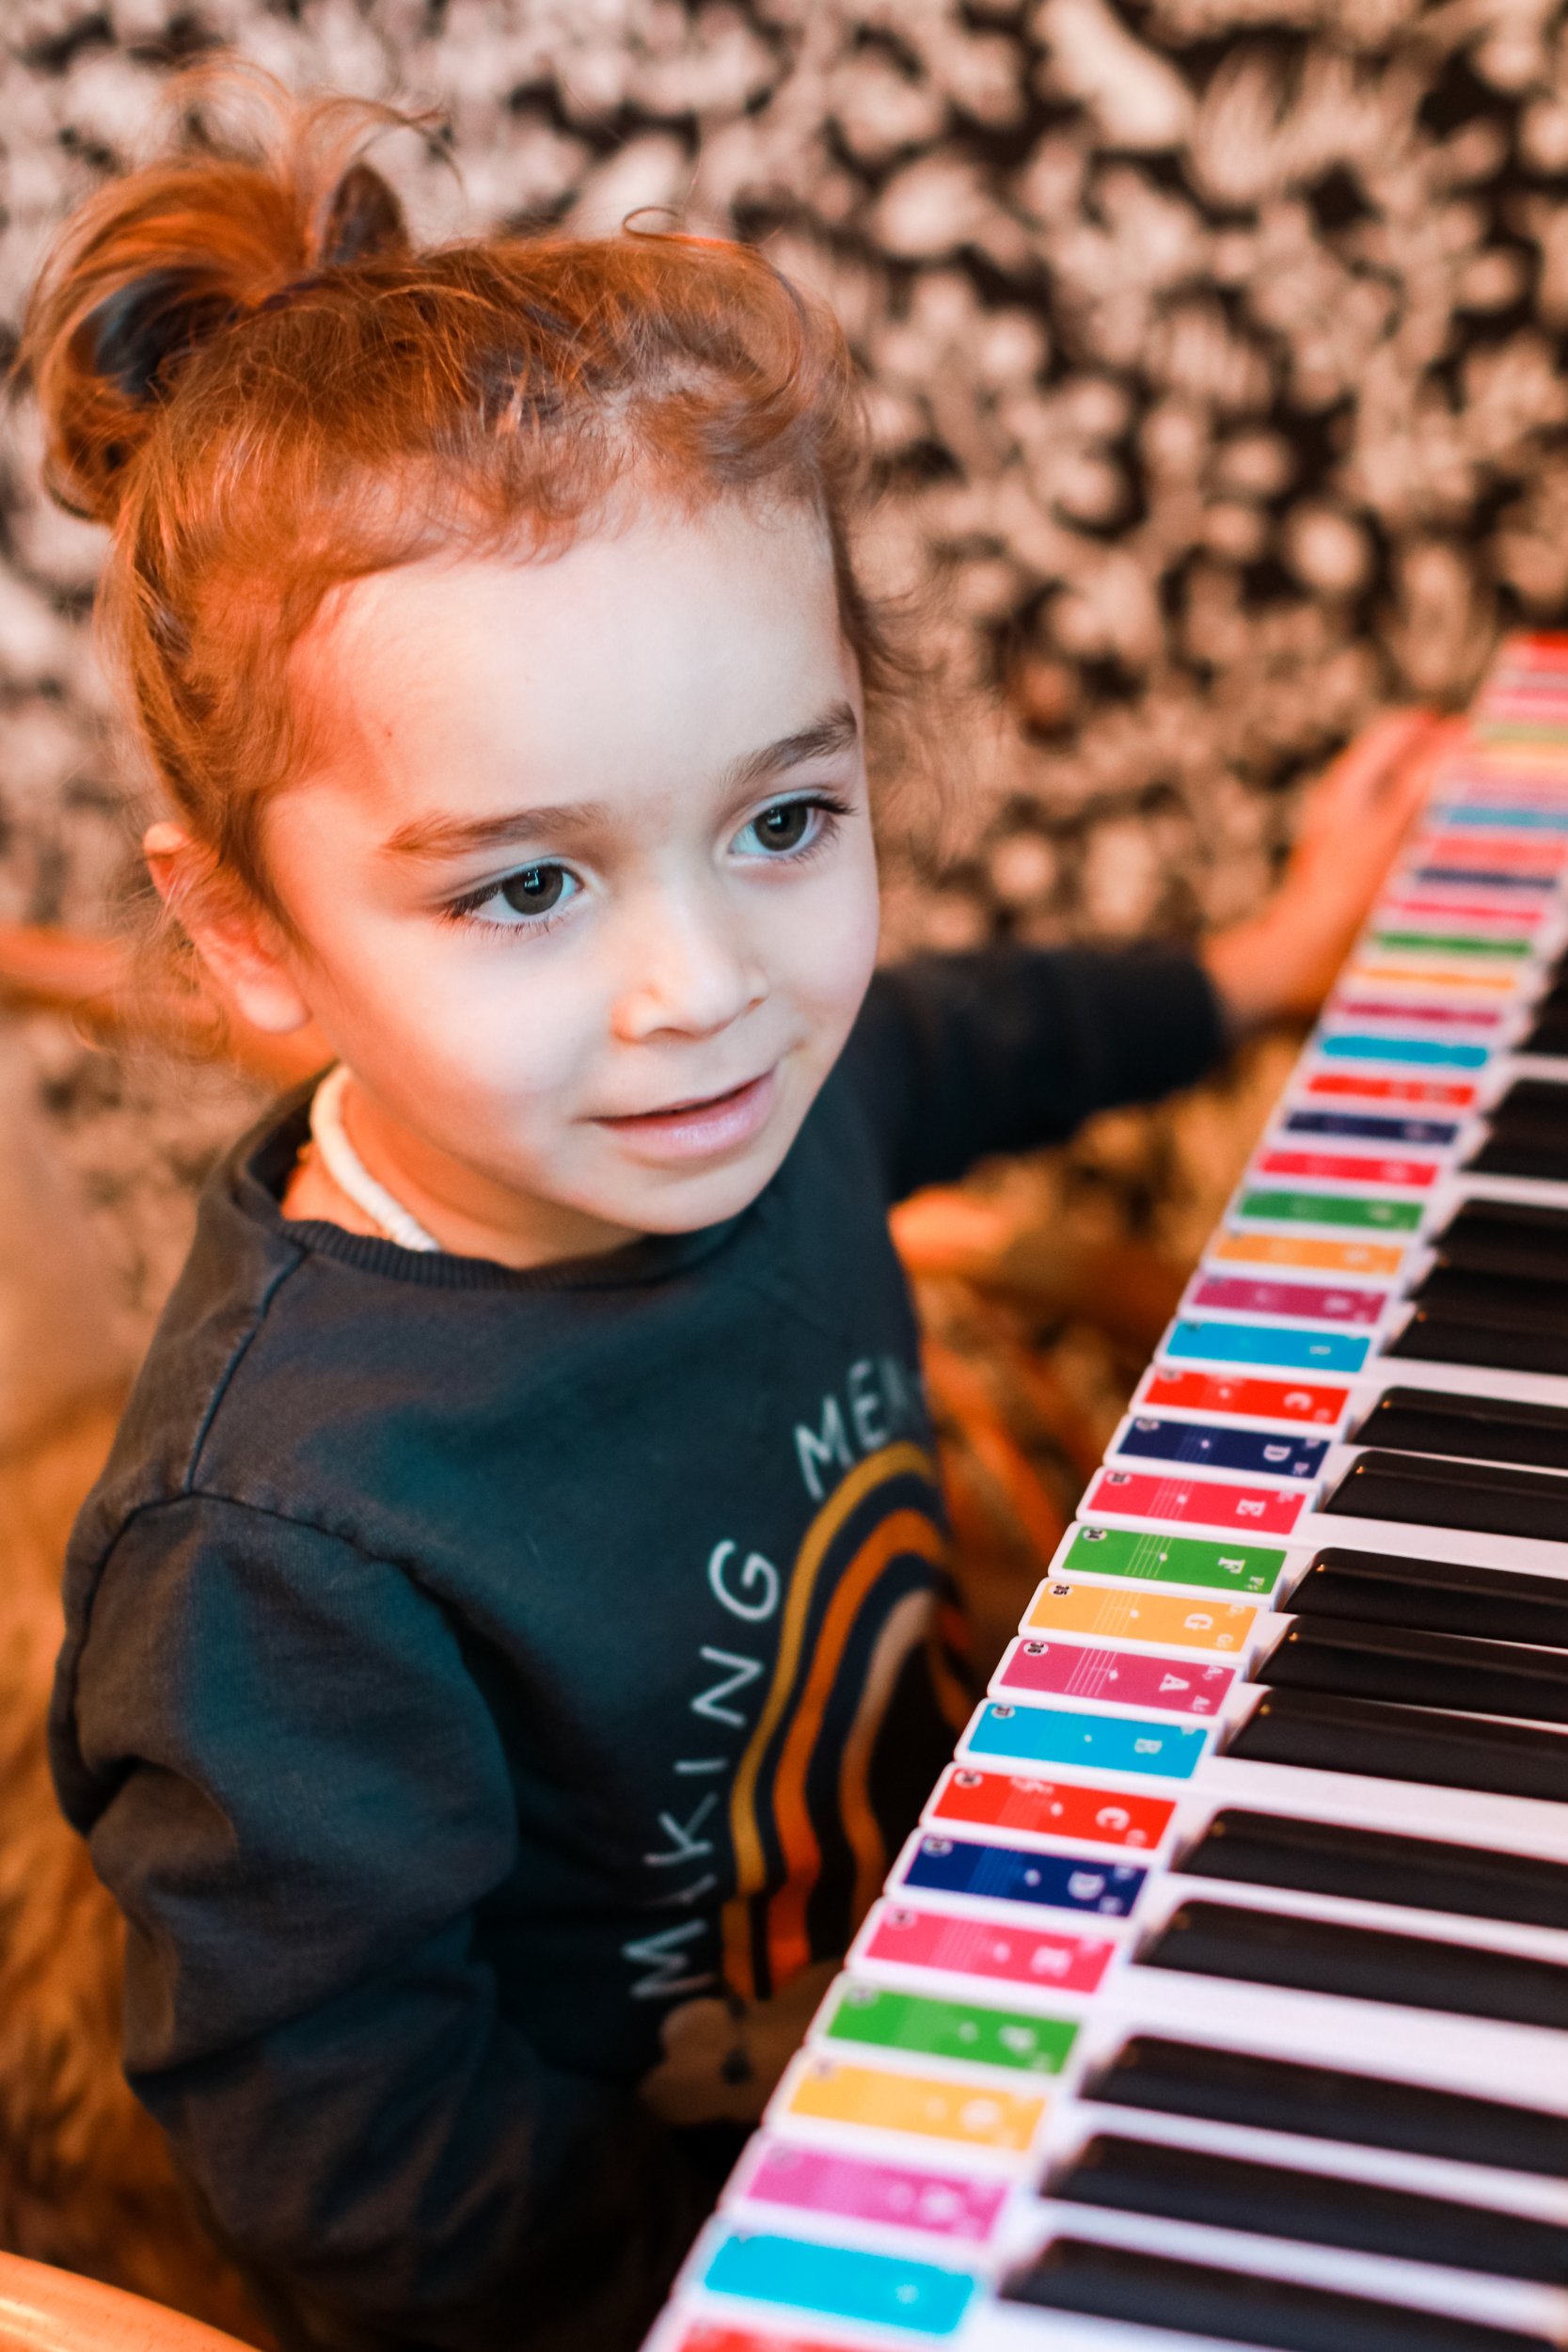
<point x="751" y="1866"/>
<point x="902" y="1532"/>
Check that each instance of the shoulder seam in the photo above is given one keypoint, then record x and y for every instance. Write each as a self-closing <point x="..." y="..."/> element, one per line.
<point x="237" y="1356"/>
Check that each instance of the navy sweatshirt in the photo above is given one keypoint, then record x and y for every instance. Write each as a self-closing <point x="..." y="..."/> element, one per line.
<point x="493" y="1698"/>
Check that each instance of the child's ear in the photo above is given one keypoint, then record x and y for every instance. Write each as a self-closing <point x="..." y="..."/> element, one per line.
<point x="239" y="942"/>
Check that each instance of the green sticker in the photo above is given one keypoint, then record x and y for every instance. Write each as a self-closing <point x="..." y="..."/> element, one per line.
<point x="1332" y="1208"/>
<point x="952" y="2029"/>
<point x="1173" y="1560"/>
<point x="1453" y="943"/>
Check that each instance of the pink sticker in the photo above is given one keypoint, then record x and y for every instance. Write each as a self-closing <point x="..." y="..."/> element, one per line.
<point x="1431" y="1016"/>
<point x="1177" y="1686"/>
<point x="977" y="1947"/>
<point x="1321" y="1302"/>
<point x="1262" y="1510"/>
<point x="941" y="2203"/>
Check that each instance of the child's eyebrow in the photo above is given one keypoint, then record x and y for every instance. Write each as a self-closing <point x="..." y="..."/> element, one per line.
<point x="432" y="837"/>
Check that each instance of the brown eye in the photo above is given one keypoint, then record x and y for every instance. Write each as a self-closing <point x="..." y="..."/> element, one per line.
<point x="535" y="889"/>
<point x="786" y="826"/>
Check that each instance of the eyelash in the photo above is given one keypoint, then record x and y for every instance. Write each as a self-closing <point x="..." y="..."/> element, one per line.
<point x="466" y="909"/>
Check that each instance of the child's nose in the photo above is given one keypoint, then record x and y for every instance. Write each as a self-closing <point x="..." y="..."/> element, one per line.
<point x="689" y="972"/>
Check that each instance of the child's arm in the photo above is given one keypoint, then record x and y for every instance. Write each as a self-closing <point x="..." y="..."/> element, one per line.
<point x="955" y="1057"/>
<point x="1280" y="964"/>
<point x="295" y="1789"/>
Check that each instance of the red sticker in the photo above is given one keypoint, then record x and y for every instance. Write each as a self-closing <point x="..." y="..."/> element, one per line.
<point x="1268" y="1400"/>
<point x="1048" y="1808"/>
<point x="1341" y="1167"/>
<point x="1452" y="1094"/>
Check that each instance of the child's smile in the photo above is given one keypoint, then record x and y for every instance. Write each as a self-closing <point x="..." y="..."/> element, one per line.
<point x="584" y="879"/>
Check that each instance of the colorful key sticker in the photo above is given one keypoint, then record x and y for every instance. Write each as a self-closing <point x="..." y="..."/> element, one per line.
<point x="1010" y="1874"/>
<point x="1445" y="1093"/>
<point x="1449" y="944"/>
<point x="1372" y="1126"/>
<point x="706" y="2339"/>
<point x="1313" y="1301"/>
<point x="944" y="2204"/>
<point x="1016" y="2039"/>
<point x="1450" y="1051"/>
<point x="1104" y="1743"/>
<point x="1426" y="1016"/>
<point x="978" y="1948"/>
<point x="1483" y="878"/>
<point x="1116" y="1677"/>
<point x="1265" y="1400"/>
<point x="881" y="2290"/>
<point x="1331" y="1208"/>
<point x="1257" y="1510"/>
<point x="1134" y="1616"/>
<point x="1173" y="1560"/>
<point x="1343" y="1168"/>
<point x="834" y="2092"/>
<point x="1437" y="979"/>
<point x="1274" y="1452"/>
<point x="1500" y="908"/>
<point x="1050" y="1809"/>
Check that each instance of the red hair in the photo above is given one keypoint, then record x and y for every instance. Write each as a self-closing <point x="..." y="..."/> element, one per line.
<point x="248" y="371"/>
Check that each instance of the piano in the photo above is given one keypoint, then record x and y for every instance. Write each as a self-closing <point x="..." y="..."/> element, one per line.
<point x="1221" y="1997"/>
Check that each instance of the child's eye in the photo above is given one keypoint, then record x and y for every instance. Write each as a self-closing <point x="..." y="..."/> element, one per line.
<point x="789" y="825"/>
<point x="520" y="899"/>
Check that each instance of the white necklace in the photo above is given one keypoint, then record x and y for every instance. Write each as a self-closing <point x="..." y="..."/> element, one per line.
<point x="350" y="1174"/>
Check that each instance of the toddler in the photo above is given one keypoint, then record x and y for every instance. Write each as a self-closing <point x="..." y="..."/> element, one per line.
<point x="512" y="1635"/>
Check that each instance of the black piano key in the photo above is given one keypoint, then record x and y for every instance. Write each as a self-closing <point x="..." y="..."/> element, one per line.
<point x="1378" y="1867"/>
<point x="1508" y="1237"/>
<point x="1425" y="1491"/>
<point x="1238" y="2307"/>
<point x="1433" y="1338"/>
<point x="1447" y="1595"/>
<point x="1317" y="1731"/>
<point x="1416" y="1668"/>
<point x="1278" y="2200"/>
<point x="1548" y="1035"/>
<point x="1171" y="2078"/>
<point x="1353" y="1963"/>
<point x="1542" y="1159"/>
<point x="1481" y="1428"/>
<point x="1517" y="1302"/>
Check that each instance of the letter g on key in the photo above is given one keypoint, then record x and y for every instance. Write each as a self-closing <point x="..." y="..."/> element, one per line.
<point x="758" y="1583"/>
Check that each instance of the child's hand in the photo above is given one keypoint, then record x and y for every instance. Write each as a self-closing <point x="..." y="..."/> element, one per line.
<point x="1280" y="964"/>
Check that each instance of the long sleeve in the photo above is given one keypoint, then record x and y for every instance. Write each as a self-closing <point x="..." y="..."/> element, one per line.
<point x="955" y="1057"/>
<point x="308" y="1804"/>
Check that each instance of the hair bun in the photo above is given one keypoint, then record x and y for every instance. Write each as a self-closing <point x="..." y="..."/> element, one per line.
<point x="158" y="263"/>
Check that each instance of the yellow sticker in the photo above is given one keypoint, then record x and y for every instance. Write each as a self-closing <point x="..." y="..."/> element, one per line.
<point x="1329" y="1257"/>
<point x="916" y="2103"/>
<point x="1135" y="1616"/>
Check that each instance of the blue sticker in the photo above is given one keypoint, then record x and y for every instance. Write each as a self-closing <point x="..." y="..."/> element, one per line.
<point x="1064" y="1881"/>
<point x="1268" y="1343"/>
<point x="1276" y="1452"/>
<point x="1486" y="816"/>
<point x="1413" y="1049"/>
<point x="881" y="2290"/>
<point x="1482" y="878"/>
<point x="1049" y="1735"/>
<point x="1368" y="1128"/>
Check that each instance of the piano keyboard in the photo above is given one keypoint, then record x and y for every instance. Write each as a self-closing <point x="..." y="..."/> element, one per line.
<point x="1221" y="1998"/>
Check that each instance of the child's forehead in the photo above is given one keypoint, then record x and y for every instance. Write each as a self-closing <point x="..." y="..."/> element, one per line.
<point x="673" y="645"/>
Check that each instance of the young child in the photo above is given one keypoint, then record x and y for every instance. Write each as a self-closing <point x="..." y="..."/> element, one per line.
<point x="510" y="1633"/>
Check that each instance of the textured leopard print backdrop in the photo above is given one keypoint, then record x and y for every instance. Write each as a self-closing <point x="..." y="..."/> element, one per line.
<point x="1217" y="351"/>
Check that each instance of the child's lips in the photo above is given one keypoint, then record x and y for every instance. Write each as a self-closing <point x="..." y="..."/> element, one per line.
<point x="700" y="1129"/>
